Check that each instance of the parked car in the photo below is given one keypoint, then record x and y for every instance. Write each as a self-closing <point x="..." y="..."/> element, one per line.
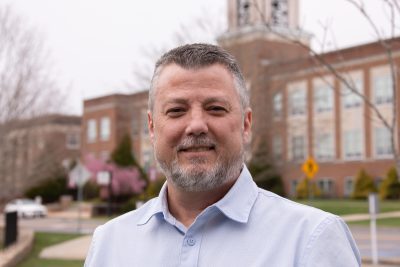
<point x="26" y="208"/>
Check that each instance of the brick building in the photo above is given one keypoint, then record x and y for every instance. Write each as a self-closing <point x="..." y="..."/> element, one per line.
<point x="109" y="118"/>
<point x="301" y="109"/>
<point x="34" y="149"/>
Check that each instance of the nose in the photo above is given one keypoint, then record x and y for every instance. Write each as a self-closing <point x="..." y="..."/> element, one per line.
<point x="197" y="124"/>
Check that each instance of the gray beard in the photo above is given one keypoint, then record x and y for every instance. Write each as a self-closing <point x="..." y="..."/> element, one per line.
<point x="199" y="179"/>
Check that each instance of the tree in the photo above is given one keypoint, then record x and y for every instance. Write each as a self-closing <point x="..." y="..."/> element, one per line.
<point x="306" y="189"/>
<point x="26" y="86"/>
<point x="122" y="156"/>
<point x="125" y="180"/>
<point x="390" y="187"/>
<point x="263" y="173"/>
<point x="364" y="185"/>
<point x="388" y="44"/>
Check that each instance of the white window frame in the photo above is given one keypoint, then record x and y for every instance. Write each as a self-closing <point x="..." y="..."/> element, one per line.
<point x="278" y="105"/>
<point x="323" y="144"/>
<point x="298" y="101"/>
<point x="105" y="128"/>
<point x="323" y="98"/>
<point x="382" y="139"/>
<point x="73" y="140"/>
<point x="91" y="133"/>
<point x="353" y="144"/>
<point x="349" y="98"/>
<point x="298" y="153"/>
<point x="382" y="88"/>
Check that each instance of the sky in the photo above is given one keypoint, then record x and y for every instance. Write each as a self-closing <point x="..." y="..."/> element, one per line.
<point x="95" y="45"/>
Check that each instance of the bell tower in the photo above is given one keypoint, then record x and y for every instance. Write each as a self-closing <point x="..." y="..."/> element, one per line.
<point x="256" y="36"/>
<point x="267" y="22"/>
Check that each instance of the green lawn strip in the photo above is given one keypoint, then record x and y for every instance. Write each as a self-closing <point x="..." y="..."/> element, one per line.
<point x="345" y="207"/>
<point x="43" y="240"/>
<point x="387" y="222"/>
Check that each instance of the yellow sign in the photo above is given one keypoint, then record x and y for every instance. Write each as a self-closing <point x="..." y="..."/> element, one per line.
<point x="310" y="167"/>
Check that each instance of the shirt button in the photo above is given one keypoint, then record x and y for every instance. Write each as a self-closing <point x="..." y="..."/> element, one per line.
<point x="191" y="241"/>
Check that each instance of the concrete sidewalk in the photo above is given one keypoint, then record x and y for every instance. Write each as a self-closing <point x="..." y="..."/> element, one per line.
<point x="75" y="249"/>
<point x="364" y="217"/>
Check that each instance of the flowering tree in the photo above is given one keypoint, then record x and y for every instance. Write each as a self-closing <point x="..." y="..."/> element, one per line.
<point x="125" y="180"/>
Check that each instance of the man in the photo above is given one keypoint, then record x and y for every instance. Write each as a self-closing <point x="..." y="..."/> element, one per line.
<point x="210" y="212"/>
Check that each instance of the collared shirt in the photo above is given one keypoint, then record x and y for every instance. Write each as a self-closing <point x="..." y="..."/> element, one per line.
<point x="247" y="227"/>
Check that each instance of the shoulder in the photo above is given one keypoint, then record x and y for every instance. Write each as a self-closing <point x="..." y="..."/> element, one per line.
<point x="288" y="208"/>
<point x="320" y="234"/>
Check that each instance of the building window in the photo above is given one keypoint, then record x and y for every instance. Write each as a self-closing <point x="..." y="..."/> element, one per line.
<point x="323" y="98"/>
<point x="353" y="144"/>
<point x="279" y="13"/>
<point x="297" y="102"/>
<point x="298" y="148"/>
<point x="105" y="128"/>
<point x="324" y="149"/>
<point x="243" y="15"/>
<point x="382" y="142"/>
<point x="277" y="105"/>
<point x="326" y="186"/>
<point x="73" y="141"/>
<point x="349" y="97"/>
<point x="91" y="130"/>
<point x="383" y="89"/>
<point x="348" y="186"/>
<point x="277" y="147"/>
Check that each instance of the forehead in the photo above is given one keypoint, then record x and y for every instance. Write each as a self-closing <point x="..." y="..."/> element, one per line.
<point x="215" y="79"/>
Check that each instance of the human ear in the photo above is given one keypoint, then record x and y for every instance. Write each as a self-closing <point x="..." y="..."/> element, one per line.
<point x="150" y="125"/>
<point x="247" y="121"/>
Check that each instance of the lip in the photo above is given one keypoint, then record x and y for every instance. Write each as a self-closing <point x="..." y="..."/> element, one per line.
<point x="197" y="149"/>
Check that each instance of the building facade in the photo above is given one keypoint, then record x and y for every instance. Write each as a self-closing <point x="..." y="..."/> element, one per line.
<point x="106" y="120"/>
<point x="304" y="109"/>
<point x="34" y="149"/>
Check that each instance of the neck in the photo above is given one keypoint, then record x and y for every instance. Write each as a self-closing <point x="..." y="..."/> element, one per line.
<point x="186" y="206"/>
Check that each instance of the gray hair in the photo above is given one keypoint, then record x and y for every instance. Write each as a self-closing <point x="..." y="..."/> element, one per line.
<point x="194" y="56"/>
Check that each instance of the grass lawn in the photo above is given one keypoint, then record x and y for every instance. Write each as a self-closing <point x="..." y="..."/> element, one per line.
<point x="43" y="240"/>
<point x="389" y="222"/>
<point x="345" y="206"/>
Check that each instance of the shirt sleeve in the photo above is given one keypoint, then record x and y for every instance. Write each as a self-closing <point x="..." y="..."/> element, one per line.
<point x="331" y="245"/>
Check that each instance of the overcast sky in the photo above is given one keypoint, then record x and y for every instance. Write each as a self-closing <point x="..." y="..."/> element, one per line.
<point x="95" y="44"/>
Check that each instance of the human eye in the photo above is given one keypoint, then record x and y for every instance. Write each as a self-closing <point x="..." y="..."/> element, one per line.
<point x="175" y="112"/>
<point x="217" y="110"/>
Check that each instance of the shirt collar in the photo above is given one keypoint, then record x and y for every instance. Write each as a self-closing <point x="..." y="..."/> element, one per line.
<point x="236" y="204"/>
<point x="239" y="200"/>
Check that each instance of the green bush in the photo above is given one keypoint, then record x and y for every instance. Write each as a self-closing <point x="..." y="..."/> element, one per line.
<point x="305" y="190"/>
<point x="364" y="185"/>
<point x="263" y="172"/>
<point x="49" y="190"/>
<point x="390" y="187"/>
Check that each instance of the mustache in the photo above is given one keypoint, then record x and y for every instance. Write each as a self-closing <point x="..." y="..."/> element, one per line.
<point x="196" y="141"/>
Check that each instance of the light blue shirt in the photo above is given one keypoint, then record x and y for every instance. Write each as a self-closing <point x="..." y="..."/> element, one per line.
<point x="247" y="227"/>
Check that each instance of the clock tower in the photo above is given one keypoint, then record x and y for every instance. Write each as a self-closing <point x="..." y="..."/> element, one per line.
<point x="258" y="35"/>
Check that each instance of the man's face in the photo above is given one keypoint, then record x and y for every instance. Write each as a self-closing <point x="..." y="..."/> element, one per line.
<point x="197" y="127"/>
